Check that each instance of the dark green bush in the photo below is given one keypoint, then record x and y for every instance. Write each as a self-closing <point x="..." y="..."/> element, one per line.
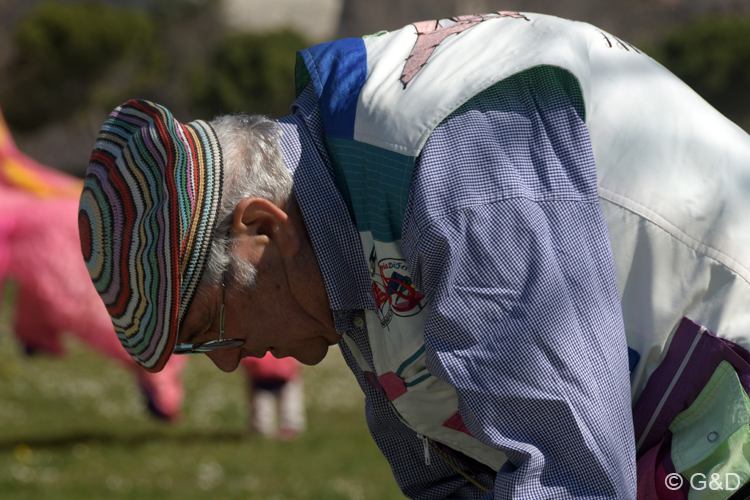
<point x="249" y="73"/>
<point x="712" y="55"/>
<point x="64" y="49"/>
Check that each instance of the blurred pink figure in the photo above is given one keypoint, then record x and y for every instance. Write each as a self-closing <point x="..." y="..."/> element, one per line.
<point x="275" y="388"/>
<point x="40" y="251"/>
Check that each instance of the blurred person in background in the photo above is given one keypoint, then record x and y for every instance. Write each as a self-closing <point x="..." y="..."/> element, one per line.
<point x="277" y="397"/>
<point x="529" y="235"/>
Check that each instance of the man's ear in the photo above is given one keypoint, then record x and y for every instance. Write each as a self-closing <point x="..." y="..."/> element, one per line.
<point x="263" y="222"/>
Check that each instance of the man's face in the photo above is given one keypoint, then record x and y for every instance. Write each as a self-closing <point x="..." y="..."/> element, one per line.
<point x="287" y="313"/>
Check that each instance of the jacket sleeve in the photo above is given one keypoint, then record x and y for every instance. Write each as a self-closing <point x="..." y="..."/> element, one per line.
<point x="504" y="235"/>
<point x="525" y="323"/>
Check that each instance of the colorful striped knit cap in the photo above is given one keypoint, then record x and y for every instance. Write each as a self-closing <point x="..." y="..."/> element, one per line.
<point x="146" y="218"/>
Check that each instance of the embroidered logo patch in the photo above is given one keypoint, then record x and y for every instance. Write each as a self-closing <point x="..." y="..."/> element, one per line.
<point x="394" y="291"/>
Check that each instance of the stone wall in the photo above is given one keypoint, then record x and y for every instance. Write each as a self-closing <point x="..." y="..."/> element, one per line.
<point x="317" y="20"/>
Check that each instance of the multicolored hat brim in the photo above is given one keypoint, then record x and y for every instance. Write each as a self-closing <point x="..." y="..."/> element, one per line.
<point x="146" y="218"/>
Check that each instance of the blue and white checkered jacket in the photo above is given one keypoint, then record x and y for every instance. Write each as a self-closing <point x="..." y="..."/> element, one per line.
<point x="503" y="234"/>
<point x="496" y="206"/>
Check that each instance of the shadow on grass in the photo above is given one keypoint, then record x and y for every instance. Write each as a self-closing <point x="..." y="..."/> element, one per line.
<point x="128" y="440"/>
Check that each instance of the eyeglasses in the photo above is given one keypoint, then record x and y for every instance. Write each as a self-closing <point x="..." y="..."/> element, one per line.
<point x="212" y="345"/>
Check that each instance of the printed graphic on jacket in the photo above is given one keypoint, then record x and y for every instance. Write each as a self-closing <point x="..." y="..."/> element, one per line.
<point x="430" y="34"/>
<point x="393" y="289"/>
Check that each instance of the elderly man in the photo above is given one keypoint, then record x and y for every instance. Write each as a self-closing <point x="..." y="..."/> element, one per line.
<point x="445" y="199"/>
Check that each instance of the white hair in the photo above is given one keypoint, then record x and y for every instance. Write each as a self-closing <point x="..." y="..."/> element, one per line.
<point x="253" y="166"/>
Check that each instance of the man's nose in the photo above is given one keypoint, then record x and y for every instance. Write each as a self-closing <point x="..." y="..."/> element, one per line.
<point x="226" y="360"/>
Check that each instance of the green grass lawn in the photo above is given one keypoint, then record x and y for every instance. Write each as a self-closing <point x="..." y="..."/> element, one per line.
<point x="76" y="428"/>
